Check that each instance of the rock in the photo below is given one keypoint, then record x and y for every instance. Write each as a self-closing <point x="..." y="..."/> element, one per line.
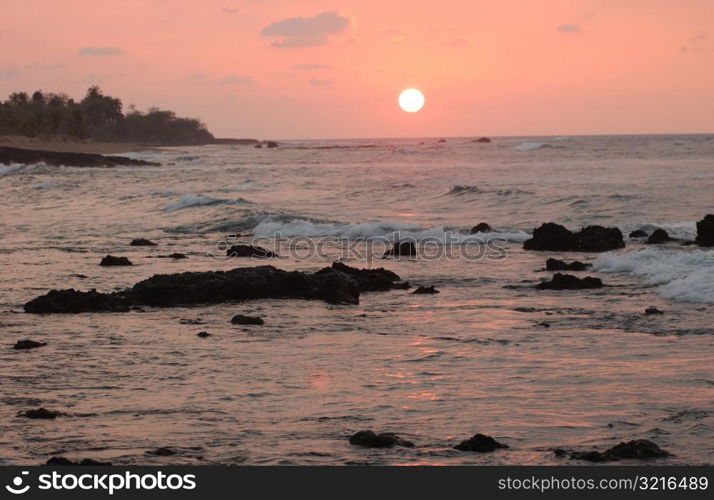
<point x="638" y="233"/>
<point x="639" y="449"/>
<point x="258" y="146"/>
<point x="141" y="242"/>
<point x="369" y="439"/>
<point x="172" y="256"/>
<point x="554" y="237"/>
<point x="481" y="227"/>
<point x="658" y="236"/>
<point x="271" y="144"/>
<point x="249" y="251"/>
<point x="162" y="452"/>
<point x="66" y="461"/>
<point x="80" y="276"/>
<point x="28" y="344"/>
<point x="482" y="139"/>
<point x="705" y="231"/>
<point x="240" y="319"/>
<point x="73" y="301"/>
<point x="40" y="413"/>
<point x="652" y="310"/>
<point x="203" y="335"/>
<point x="55" y="158"/>
<point x="426" y="290"/>
<point x="480" y="443"/>
<point x="559" y="265"/>
<point x="441" y="141"/>
<point x="110" y="260"/>
<point x="402" y="248"/>
<point x="569" y="282"/>
<point x="338" y="284"/>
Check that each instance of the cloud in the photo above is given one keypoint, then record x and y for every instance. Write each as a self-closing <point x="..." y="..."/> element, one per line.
<point x="7" y="74"/>
<point x="699" y="38"/>
<point x="230" y="10"/>
<point x="569" y="28"/>
<point x="305" y="31"/>
<point x="311" y="67"/>
<point x="455" y="42"/>
<point x="196" y="76"/>
<point x="100" y="51"/>
<point x="320" y="82"/>
<point x="235" y="79"/>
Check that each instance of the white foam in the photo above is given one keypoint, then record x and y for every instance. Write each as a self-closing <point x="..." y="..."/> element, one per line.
<point x="269" y="228"/>
<point x="532" y="146"/>
<point x="8" y="169"/>
<point x="684" y="275"/>
<point x="194" y="200"/>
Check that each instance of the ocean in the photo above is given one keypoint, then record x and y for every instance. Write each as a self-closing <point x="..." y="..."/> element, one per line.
<point x="536" y="369"/>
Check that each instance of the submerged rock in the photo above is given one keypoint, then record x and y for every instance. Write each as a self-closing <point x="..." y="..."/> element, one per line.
<point x="480" y="443"/>
<point x="639" y="449"/>
<point x="203" y="335"/>
<point x="369" y="439"/>
<point x="40" y="413"/>
<point x="142" y="242"/>
<point x="659" y="236"/>
<point x="569" y="282"/>
<point x="249" y="251"/>
<point x="174" y="256"/>
<point x="705" y="231"/>
<point x="401" y="248"/>
<point x="481" y="227"/>
<point x="240" y="319"/>
<point x="66" y="461"/>
<point x="426" y="290"/>
<point x="338" y="284"/>
<point x="482" y="139"/>
<point x="110" y="260"/>
<point x="441" y="141"/>
<point x="554" y="237"/>
<point x="652" y="310"/>
<point x="28" y="344"/>
<point x="638" y="233"/>
<point x="559" y="265"/>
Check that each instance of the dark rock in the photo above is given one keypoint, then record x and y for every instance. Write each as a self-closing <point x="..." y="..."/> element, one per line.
<point x="426" y="290"/>
<point x="338" y="284"/>
<point x="482" y="139"/>
<point x="639" y="449"/>
<point x="28" y="344"/>
<point x="705" y="231"/>
<point x="652" y="310"/>
<point x="658" y="236"/>
<point x="569" y="282"/>
<point x="554" y="237"/>
<point x="638" y="233"/>
<point x="402" y="248"/>
<point x="480" y="443"/>
<point x="249" y="251"/>
<point x="141" y="242"/>
<point x="258" y="146"/>
<point x="172" y="256"/>
<point x="55" y="158"/>
<point x="40" y="413"/>
<point x="110" y="260"/>
<point x="559" y="265"/>
<point x="162" y="452"/>
<point x="203" y="335"/>
<point x="66" y="461"/>
<point x="240" y="319"/>
<point x="80" y="276"/>
<point x="73" y="301"/>
<point x="271" y="144"/>
<point x="441" y="141"/>
<point x="481" y="227"/>
<point x="370" y="439"/>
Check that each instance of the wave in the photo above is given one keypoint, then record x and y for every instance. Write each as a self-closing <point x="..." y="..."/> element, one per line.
<point x="196" y="200"/>
<point x="683" y="275"/>
<point x="460" y="190"/>
<point x="8" y="169"/>
<point x="270" y="227"/>
<point x="532" y="146"/>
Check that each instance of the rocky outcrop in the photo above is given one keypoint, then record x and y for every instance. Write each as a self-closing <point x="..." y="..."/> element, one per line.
<point x="142" y="242"/>
<point x="111" y="260"/>
<point x="40" y="414"/>
<point x="28" y="344"/>
<point x="271" y="144"/>
<point x="659" y="236"/>
<point x="338" y="284"/>
<point x="55" y="158"/>
<point x="240" y="319"/>
<point x="652" y="310"/>
<point x="426" y="290"/>
<point x="402" y="248"/>
<point x="482" y="139"/>
<point x="559" y="265"/>
<point x="705" y="231"/>
<point x="480" y="443"/>
<point x="569" y="282"/>
<point x="554" y="237"/>
<point x="249" y="251"/>
<point x="481" y="227"/>
<point x="370" y="439"/>
<point x="639" y="449"/>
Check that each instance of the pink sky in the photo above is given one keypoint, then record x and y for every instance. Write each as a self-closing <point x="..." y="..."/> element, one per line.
<point x="248" y="69"/>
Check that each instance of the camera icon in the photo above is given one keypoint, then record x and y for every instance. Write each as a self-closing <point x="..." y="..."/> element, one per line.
<point x="16" y="488"/>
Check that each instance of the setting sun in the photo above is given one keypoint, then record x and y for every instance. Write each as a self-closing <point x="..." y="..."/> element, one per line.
<point x="411" y="100"/>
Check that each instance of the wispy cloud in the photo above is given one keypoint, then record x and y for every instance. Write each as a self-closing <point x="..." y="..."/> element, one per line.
<point x="305" y="31"/>
<point x="235" y="79"/>
<point x="8" y="73"/>
<point x="569" y="28"/>
<point x="196" y="76"/>
<point x="311" y="67"/>
<point x="320" y="82"/>
<point x="101" y="51"/>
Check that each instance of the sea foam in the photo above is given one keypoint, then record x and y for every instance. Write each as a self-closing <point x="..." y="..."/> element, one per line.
<point x="195" y="200"/>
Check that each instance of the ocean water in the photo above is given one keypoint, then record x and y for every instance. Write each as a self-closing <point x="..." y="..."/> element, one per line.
<point x="437" y="369"/>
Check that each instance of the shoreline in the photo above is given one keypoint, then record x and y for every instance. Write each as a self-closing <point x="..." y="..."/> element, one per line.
<point x="69" y="145"/>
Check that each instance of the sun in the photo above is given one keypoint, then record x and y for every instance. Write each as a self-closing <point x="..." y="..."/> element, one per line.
<point x="411" y="100"/>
